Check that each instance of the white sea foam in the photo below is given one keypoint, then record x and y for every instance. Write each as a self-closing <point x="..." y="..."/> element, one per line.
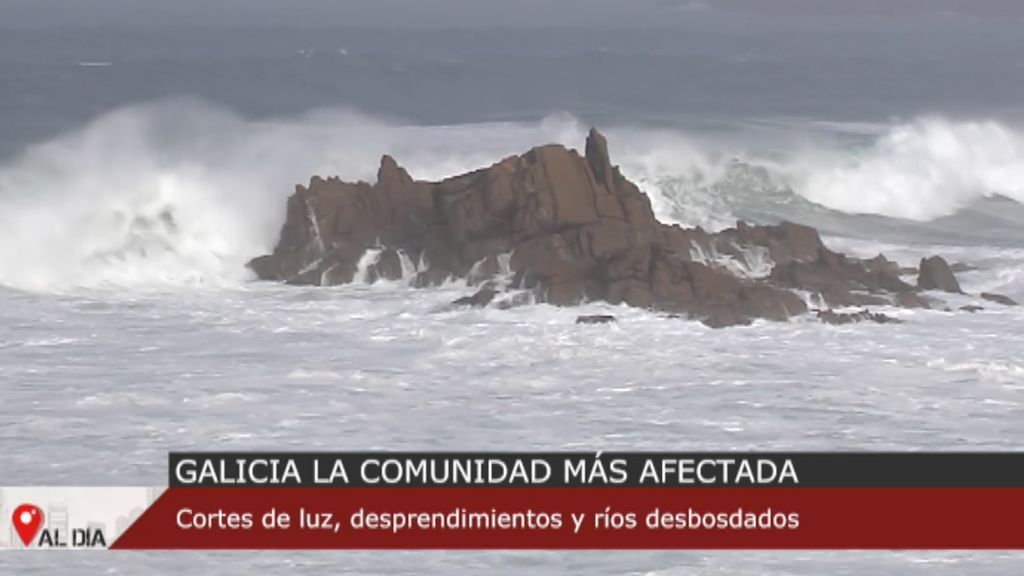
<point x="922" y="170"/>
<point x="181" y="192"/>
<point x="185" y="193"/>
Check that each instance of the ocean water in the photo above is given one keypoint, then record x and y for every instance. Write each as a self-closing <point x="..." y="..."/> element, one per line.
<point x="140" y="170"/>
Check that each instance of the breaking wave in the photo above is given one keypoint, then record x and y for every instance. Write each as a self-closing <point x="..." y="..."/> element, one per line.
<point x="184" y="193"/>
<point x="920" y="171"/>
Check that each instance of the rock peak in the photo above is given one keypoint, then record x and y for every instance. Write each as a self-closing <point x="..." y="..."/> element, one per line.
<point x="390" y="172"/>
<point x="597" y="155"/>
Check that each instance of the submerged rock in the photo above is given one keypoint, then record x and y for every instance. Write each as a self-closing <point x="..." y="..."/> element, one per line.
<point x="481" y="298"/>
<point x="838" y="318"/>
<point x="568" y="228"/>
<point x="998" y="299"/>
<point x="596" y="319"/>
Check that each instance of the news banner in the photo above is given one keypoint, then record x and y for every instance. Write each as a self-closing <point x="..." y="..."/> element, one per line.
<point x="556" y="500"/>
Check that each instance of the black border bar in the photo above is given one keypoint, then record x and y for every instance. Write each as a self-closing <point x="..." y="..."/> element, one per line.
<point x="624" y="469"/>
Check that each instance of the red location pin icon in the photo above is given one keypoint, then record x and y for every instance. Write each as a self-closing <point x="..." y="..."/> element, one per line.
<point x="27" y="520"/>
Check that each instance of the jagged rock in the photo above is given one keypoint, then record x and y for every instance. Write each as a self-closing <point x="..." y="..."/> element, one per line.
<point x="838" y="318"/>
<point x="566" y="228"/>
<point x="971" y="308"/>
<point x="480" y="299"/>
<point x="596" y="319"/>
<point x="999" y="299"/>
<point x="842" y="281"/>
<point x="935" y="274"/>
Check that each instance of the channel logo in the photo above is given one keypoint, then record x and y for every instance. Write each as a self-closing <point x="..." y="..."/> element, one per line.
<point x="28" y="522"/>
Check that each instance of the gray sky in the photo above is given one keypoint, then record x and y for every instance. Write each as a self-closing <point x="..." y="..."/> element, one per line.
<point x="460" y="13"/>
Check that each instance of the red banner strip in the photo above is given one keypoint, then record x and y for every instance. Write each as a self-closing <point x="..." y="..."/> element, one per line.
<point x="580" y="518"/>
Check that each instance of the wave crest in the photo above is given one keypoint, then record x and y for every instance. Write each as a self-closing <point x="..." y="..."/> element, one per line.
<point x="923" y="170"/>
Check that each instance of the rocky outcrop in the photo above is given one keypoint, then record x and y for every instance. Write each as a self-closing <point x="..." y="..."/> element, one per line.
<point x="566" y="228"/>
<point x="935" y="274"/>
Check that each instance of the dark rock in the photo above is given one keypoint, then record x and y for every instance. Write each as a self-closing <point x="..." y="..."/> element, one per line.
<point x="572" y="229"/>
<point x="971" y="308"/>
<point x="595" y="319"/>
<point x="265" y="268"/>
<point x="879" y="318"/>
<point x="935" y="274"/>
<point x="481" y="299"/>
<point x="839" y="318"/>
<point x="999" y="299"/>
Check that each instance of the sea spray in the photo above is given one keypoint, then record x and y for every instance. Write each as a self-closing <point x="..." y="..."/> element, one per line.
<point x="181" y="192"/>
